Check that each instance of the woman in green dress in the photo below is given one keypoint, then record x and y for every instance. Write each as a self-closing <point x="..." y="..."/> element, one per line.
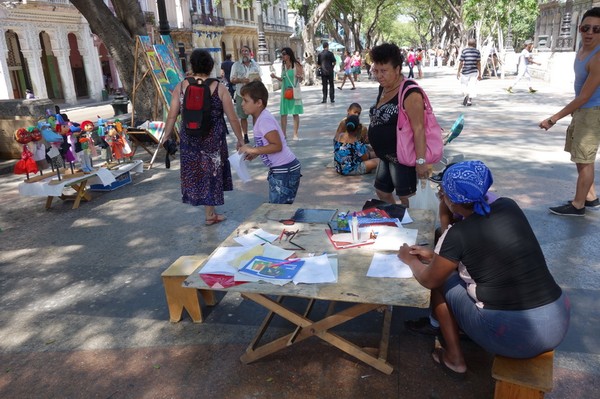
<point x="291" y="75"/>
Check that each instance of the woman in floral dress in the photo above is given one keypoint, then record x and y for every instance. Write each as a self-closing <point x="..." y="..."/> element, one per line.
<point x="205" y="168"/>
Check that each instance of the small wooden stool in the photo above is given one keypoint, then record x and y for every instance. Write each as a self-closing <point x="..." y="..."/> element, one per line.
<point x="523" y="378"/>
<point x="180" y="297"/>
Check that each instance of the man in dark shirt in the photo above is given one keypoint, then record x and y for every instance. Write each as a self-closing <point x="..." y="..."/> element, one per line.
<point x="326" y="61"/>
<point x="469" y="71"/>
<point x="226" y="73"/>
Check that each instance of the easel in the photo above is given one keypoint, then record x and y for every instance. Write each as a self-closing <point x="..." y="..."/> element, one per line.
<point x="140" y="136"/>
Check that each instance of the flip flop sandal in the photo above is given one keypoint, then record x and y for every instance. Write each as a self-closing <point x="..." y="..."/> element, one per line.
<point x="455" y="375"/>
<point x="217" y="218"/>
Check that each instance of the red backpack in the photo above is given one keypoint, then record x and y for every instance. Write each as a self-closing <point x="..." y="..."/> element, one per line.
<point x="196" y="107"/>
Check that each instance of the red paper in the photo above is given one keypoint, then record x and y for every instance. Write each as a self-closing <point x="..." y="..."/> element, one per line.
<point x="219" y="279"/>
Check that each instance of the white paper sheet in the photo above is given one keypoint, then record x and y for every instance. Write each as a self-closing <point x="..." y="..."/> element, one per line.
<point x="316" y="269"/>
<point x="256" y="237"/>
<point x="390" y="238"/>
<point x="240" y="165"/>
<point x="219" y="262"/>
<point x="384" y="265"/>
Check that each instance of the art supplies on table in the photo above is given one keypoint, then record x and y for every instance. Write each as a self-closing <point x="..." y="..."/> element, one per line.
<point x="344" y="240"/>
<point x="367" y="217"/>
<point x="255" y="237"/>
<point x="276" y="271"/>
<point x="303" y="215"/>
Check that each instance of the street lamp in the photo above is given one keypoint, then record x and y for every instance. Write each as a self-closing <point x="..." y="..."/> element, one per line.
<point x="263" y="53"/>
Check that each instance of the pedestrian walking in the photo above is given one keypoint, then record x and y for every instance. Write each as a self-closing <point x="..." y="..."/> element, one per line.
<point x="525" y="59"/>
<point x="469" y="71"/>
<point x="326" y="61"/>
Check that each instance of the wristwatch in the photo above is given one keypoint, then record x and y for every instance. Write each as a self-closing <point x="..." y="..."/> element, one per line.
<point x="420" y="161"/>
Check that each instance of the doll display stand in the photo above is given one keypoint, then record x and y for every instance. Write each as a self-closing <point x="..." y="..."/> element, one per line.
<point x="50" y="187"/>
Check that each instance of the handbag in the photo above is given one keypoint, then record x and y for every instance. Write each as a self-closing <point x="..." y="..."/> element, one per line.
<point x="288" y="94"/>
<point x="297" y="92"/>
<point x="405" y="138"/>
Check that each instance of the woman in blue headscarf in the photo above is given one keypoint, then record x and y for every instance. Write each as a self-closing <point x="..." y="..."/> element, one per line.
<point x="488" y="276"/>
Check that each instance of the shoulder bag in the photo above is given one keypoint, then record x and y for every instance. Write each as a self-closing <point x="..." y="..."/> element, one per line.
<point x="295" y="89"/>
<point x="405" y="138"/>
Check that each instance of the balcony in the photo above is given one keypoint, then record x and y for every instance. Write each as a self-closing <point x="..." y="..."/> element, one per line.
<point x="278" y="28"/>
<point x="203" y="19"/>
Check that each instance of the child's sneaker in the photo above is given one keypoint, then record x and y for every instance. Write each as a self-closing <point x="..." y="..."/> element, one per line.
<point x="509" y="90"/>
<point x="532" y="90"/>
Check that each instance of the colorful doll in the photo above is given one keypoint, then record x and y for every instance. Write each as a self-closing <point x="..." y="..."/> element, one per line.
<point x="83" y="144"/>
<point x="64" y="130"/>
<point x="27" y="164"/>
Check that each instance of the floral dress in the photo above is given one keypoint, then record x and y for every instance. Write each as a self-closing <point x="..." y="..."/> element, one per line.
<point x="205" y="168"/>
<point x="348" y="156"/>
<point x="293" y="106"/>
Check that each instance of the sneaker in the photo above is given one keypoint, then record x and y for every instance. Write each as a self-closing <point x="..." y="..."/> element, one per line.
<point x="469" y="103"/>
<point x="465" y="101"/>
<point x="592" y="204"/>
<point x="567" y="210"/>
<point x="509" y="90"/>
<point x="422" y="326"/>
<point x="354" y="88"/>
<point x="339" y="88"/>
<point x="532" y="90"/>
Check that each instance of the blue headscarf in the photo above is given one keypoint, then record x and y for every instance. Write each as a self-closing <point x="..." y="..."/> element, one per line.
<point x="468" y="182"/>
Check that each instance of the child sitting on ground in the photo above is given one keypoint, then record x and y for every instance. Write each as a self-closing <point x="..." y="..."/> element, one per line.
<point x="353" y="109"/>
<point x="284" y="169"/>
<point x="350" y="155"/>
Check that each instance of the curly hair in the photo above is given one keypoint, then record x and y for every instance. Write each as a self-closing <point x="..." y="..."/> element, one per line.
<point x="387" y="52"/>
<point x="202" y="62"/>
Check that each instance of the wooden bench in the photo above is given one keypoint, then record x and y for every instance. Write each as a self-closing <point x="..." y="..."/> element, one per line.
<point x="523" y="378"/>
<point x="180" y="297"/>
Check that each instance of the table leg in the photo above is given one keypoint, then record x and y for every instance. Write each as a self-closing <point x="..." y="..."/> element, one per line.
<point x="320" y="328"/>
<point x="81" y="193"/>
<point x="49" y="201"/>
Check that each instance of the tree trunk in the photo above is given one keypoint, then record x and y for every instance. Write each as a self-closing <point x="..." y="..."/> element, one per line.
<point x="118" y="35"/>
<point x="308" y="35"/>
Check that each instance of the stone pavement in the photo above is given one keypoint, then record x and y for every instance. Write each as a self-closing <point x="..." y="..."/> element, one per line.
<point x="82" y="307"/>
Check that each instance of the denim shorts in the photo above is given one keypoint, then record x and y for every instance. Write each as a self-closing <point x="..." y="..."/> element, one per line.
<point x="390" y="175"/>
<point x="284" y="182"/>
<point x="513" y="333"/>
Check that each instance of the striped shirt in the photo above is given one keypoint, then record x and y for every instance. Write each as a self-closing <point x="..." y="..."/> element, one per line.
<point x="469" y="57"/>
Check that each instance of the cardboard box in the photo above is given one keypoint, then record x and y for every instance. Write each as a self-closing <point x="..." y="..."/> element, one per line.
<point x="120" y="181"/>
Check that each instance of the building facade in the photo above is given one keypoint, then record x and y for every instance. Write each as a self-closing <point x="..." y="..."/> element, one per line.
<point x="47" y="46"/>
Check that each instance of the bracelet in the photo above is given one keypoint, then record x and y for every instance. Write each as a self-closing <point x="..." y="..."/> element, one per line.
<point x="551" y="122"/>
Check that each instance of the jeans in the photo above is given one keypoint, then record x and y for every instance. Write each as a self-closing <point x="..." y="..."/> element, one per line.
<point x="513" y="333"/>
<point x="284" y="182"/>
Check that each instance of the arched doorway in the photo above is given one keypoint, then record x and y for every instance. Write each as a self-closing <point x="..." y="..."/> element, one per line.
<point x="19" y="73"/>
<point x="107" y="76"/>
<point x="50" y="68"/>
<point x="77" y="68"/>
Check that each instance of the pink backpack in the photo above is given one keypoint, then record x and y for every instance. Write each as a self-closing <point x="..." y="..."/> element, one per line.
<point x="405" y="140"/>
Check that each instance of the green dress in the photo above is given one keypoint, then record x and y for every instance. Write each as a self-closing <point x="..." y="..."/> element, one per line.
<point x="289" y="107"/>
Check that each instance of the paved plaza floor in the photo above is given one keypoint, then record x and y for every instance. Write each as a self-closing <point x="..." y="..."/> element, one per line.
<point x="82" y="306"/>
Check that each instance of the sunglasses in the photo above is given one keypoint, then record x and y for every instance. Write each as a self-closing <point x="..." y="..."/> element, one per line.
<point x="586" y="28"/>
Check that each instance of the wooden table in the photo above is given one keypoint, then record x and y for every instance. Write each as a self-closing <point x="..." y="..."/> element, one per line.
<point x="51" y="187"/>
<point x="365" y="293"/>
